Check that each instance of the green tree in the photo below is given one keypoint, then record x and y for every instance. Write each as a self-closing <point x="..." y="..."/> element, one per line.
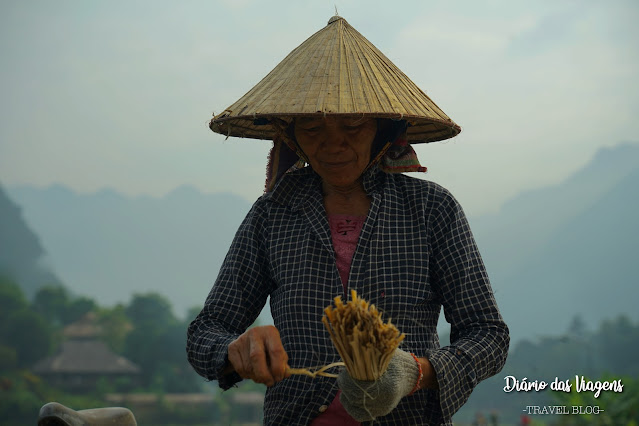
<point x="115" y="326"/>
<point x="59" y="307"/>
<point x="150" y="310"/>
<point x="619" y="409"/>
<point x="179" y="375"/>
<point x="29" y="334"/>
<point x="11" y="298"/>
<point x="51" y="302"/>
<point x="8" y="358"/>
<point x="618" y="343"/>
<point x="20" y="399"/>
<point x="25" y="336"/>
<point x="156" y="344"/>
<point x="78" y="308"/>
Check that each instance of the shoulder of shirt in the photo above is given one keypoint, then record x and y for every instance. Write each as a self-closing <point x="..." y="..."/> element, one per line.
<point x="421" y="189"/>
<point x="292" y="190"/>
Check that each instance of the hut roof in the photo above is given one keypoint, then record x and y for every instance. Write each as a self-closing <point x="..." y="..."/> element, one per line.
<point x="85" y="357"/>
<point x="86" y="327"/>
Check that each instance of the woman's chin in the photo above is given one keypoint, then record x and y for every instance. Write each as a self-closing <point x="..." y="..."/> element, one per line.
<point x="342" y="182"/>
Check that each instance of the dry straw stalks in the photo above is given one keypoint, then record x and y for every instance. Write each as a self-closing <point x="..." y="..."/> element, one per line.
<point x="365" y="343"/>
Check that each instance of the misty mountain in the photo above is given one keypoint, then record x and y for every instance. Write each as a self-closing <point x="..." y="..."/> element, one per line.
<point x="569" y="249"/>
<point x="21" y="253"/>
<point x="524" y="224"/>
<point x="588" y="267"/>
<point x="551" y="253"/>
<point x="108" y="246"/>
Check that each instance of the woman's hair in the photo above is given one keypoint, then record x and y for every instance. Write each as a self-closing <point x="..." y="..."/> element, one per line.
<point x="387" y="132"/>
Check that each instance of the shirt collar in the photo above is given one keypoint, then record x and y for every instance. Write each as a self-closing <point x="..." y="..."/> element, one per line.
<point x="296" y="188"/>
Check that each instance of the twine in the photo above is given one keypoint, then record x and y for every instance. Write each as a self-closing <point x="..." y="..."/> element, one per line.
<point x="319" y="371"/>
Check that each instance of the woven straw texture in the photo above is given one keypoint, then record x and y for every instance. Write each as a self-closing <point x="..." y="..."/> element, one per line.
<point x="335" y="71"/>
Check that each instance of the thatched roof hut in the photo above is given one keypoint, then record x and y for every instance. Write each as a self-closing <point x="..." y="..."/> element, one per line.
<point x="83" y="359"/>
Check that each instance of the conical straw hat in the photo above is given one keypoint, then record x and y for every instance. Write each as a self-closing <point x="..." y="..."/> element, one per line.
<point x="335" y="71"/>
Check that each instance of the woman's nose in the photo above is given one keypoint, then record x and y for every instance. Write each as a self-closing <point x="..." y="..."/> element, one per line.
<point x="335" y="139"/>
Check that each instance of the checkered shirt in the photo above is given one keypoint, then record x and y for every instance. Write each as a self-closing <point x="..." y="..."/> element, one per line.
<point x="415" y="254"/>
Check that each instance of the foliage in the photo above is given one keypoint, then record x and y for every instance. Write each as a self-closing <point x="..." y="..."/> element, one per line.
<point x="146" y="331"/>
<point x="24" y="335"/>
<point x="620" y="409"/>
<point x="60" y="308"/>
<point x="11" y="298"/>
<point x="151" y="311"/>
<point x="20" y="398"/>
<point x="22" y="394"/>
<point x="608" y="352"/>
<point x="115" y="326"/>
<point x="156" y="343"/>
<point x="27" y="333"/>
<point x="618" y="343"/>
<point x="8" y="358"/>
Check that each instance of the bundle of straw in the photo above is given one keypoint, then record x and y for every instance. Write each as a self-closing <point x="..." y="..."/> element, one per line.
<point x="365" y="343"/>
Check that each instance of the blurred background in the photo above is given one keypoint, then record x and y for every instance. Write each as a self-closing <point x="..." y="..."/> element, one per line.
<point x="118" y="204"/>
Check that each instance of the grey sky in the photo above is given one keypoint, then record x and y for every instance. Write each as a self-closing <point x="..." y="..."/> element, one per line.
<point x="118" y="94"/>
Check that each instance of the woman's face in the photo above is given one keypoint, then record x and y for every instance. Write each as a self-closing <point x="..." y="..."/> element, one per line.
<point x="337" y="148"/>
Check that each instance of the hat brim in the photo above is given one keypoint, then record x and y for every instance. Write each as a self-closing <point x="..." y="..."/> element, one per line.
<point x="258" y="126"/>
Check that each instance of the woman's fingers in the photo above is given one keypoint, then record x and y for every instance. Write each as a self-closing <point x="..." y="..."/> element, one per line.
<point x="238" y="357"/>
<point x="277" y="356"/>
<point x="257" y="357"/>
<point x="258" y="354"/>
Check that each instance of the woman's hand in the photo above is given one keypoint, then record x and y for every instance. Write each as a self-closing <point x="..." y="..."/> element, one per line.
<point x="258" y="355"/>
<point x="367" y="400"/>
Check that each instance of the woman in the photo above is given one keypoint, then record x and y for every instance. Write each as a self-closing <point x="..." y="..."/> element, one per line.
<point x="348" y="220"/>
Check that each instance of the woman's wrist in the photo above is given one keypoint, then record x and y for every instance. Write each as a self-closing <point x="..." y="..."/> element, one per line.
<point x="429" y="376"/>
<point x="420" y="375"/>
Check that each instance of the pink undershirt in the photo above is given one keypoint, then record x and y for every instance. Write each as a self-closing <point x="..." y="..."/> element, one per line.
<point x="345" y="230"/>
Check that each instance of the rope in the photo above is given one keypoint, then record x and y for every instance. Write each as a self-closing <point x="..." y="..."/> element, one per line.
<point x="320" y="371"/>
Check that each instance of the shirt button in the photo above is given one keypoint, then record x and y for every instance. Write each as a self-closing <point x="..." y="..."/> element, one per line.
<point x="323" y="408"/>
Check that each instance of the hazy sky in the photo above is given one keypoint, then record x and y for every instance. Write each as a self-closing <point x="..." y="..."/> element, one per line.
<point x="118" y="94"/>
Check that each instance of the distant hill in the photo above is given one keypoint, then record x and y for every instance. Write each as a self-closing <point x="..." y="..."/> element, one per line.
<point x="551" y="253"/>
<point x="569" y="249"/>
<point x="587" y="267"/>
<point x="108" y="246"/>
<point x="525" y="223"/>
<point x="21" y="254"/>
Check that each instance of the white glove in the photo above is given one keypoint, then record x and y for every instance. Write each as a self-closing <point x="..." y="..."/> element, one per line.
<point x="367" y="400"/>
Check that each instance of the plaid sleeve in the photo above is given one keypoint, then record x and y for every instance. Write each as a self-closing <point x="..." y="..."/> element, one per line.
<point x="479" y="337"/>
<point x="235" y="301"/>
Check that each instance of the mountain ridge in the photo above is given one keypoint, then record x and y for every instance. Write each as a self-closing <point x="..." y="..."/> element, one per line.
<point x="108" y="245"/>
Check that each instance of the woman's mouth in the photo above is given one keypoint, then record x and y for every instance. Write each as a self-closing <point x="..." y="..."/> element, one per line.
<point x="334" y="164"/>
